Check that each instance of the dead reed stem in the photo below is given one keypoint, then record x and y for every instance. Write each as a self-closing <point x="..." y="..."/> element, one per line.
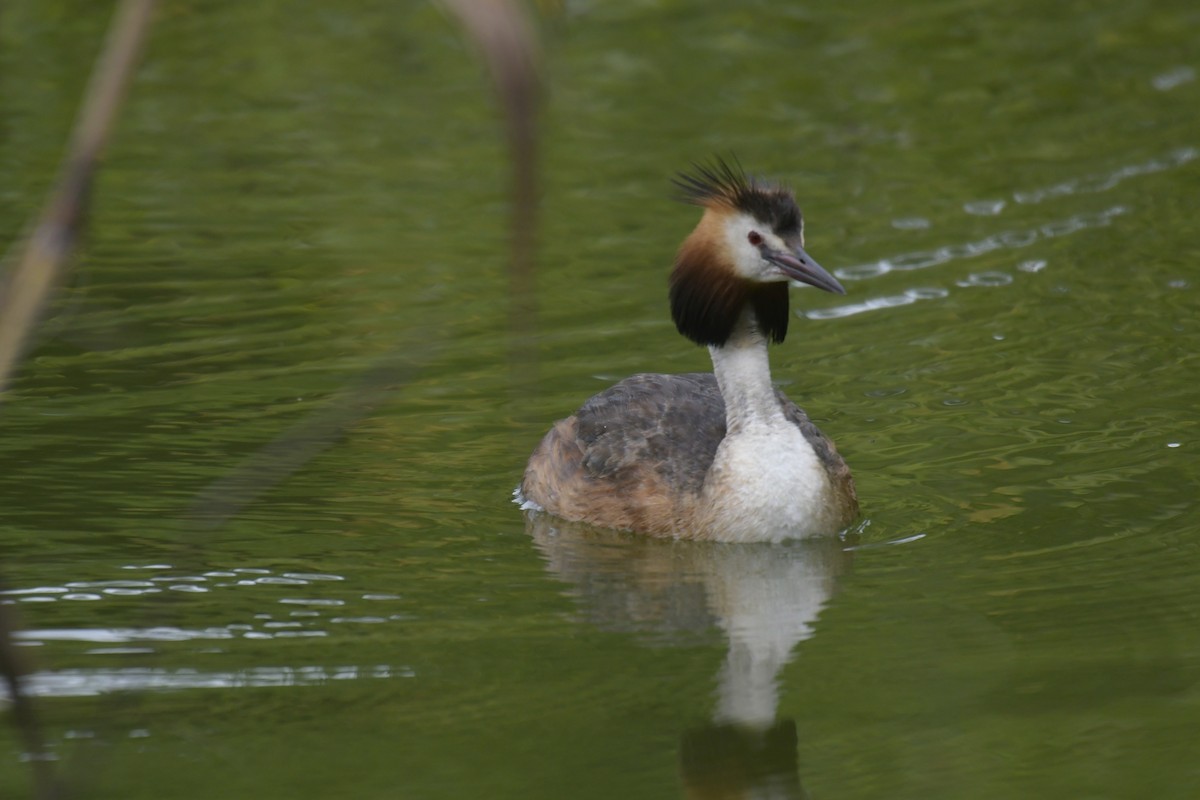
<point x="29" y="283"/>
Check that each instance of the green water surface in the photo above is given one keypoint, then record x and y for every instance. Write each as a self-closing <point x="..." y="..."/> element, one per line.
<point x="297" y="194"/>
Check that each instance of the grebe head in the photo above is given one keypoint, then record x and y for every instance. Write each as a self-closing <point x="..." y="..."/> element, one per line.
<point x="748" y="245"/>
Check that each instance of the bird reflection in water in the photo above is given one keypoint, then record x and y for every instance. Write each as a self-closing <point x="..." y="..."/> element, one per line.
<point x="765" y="598"/>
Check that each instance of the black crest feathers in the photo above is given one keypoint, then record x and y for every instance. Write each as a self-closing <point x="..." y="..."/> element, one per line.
<point x="722" y="183"/>
<point x="717" y="182"/>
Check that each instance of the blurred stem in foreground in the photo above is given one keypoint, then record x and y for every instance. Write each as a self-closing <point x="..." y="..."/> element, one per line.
<point x="504" y="34"/>
<point x="28" y="283"/>
<point x="12" y="670"/>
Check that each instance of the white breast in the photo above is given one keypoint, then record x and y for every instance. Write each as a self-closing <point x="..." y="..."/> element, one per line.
<point x="766" y="484"/>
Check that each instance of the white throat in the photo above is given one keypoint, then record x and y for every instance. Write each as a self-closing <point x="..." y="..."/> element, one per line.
<point x="744" y="374"/>
<point x="766" y="482"/>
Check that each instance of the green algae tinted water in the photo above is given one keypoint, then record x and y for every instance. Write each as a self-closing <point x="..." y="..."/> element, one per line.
<point x="1008" y="193"/>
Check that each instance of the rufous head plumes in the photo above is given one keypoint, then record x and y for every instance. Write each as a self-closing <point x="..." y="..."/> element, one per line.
<point x="748" y="245"/>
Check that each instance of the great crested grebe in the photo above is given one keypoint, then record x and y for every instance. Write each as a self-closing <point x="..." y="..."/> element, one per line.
<point x="724" y="456"/>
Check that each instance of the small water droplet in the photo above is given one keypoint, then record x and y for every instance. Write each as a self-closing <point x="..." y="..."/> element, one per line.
<point x="911" y="261"/>
<point x="1168" y="80"/>
<point x="118" y="651"/>
<point x="311" y="602"/>
<point x="1017" y="238"/>
<point x="984" y="208"/>
<point x="862" y="271"/>
<point x="1173" y="444"/>
<point x="989" y="278"/>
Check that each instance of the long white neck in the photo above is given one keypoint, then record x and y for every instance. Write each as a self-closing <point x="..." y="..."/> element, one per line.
<point x="766" y="482"/>
<point x="744" y="375"/>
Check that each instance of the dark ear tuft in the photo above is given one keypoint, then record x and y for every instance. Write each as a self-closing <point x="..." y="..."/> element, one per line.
<point x="705" y="300"/>
<point x="770" y="302"/>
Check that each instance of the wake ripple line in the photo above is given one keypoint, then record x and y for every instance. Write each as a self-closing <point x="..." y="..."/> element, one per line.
<point x="924" y="259"/>
<point x="1102" y="183"/>
<point x="928" y="258"/>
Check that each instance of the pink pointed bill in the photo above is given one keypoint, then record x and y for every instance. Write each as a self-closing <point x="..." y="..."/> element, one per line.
<point x="799" y="266"/>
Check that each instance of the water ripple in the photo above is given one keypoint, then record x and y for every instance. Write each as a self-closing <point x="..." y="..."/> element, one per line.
<point x="984" y="208"/>
<point x="905" y="298"/>
<point x="1173" y="78"/>
<point x="1102" y="182"/>
<point x="122" y="635"/>
<point x="308" y="607"/>
<point x="989" y="278"/>
<point x="91" y="682"/>
<point x="910" y="223"/>
<point x="924" y="259"/>
<point x="98" y="589"/>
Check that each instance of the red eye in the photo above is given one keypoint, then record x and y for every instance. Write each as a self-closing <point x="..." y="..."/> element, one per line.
<point x="755" y="238"/>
